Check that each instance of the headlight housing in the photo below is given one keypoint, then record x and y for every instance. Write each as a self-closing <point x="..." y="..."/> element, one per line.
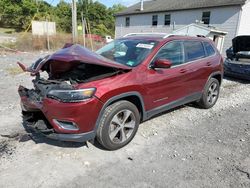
<point x="71" y="95"/>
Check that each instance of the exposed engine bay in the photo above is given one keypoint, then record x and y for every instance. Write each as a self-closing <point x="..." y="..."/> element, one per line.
<point x="240" y="48"/>
<point x="65" y="69"/>
<point x="81" y="72"/>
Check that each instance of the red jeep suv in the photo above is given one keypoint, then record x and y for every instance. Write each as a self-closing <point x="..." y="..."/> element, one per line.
<point x="82" y="95"/>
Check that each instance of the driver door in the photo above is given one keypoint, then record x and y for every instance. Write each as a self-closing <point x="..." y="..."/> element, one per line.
<point x="168" y="85"/>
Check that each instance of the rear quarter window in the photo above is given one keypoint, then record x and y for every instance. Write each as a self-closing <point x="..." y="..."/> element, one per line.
<point x="209" y="49"/>
<point x="194" y="50"/>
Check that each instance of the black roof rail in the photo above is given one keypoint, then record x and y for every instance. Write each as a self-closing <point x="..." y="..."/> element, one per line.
<point x="201" y="36"/>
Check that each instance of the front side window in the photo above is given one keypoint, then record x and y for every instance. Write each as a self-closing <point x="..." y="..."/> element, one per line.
<point x="130" y="52"/>
<point x="194" y="50"/>
<point x="172" y="51"/>
<point x="154" y="20"/>
<point x="209" y="49"/>
<point x="167" y="19"/>
<point x="127" y="21"/>
<point x="206" y="17"/>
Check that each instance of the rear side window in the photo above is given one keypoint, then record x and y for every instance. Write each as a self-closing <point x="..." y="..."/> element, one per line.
<point x="209" y="49"/>
<point x="194" y="50"/>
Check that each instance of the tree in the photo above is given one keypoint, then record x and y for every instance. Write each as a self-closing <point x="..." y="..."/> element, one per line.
<point x="10" y="13"/>
<point x="101" y="18"/>
<point x="62" y="16"/>
<point x="111" y="17"/>
<point x="19" y="14"/>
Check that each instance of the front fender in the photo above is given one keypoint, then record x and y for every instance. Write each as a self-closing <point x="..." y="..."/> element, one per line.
<point x="116" y="98"/>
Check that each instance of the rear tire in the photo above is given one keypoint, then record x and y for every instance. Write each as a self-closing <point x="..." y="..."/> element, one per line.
<point x="118" y="125"/>
<point x="210" y="94"/>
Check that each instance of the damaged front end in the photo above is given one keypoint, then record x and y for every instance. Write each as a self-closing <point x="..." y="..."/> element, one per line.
<point x="60" y="96"/>
<point x="54" y="109"/>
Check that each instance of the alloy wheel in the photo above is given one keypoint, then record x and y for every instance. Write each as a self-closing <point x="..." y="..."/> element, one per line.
<point x="213" y="93"/>
<point x="122" y="126"/>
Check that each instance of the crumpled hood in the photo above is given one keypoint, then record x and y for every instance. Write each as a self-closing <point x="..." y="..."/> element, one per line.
<point x="70" y="54"/>
<point x="78" y="53"/>
<point x="241" y="43"/>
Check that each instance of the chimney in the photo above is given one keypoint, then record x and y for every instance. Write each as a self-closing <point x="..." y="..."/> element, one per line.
<point x="141" y="5"/>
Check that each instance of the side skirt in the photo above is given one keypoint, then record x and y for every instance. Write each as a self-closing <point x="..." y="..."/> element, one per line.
<point x="174" y="104"/>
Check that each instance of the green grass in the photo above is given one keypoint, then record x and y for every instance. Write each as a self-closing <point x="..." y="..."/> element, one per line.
<point x="7" y="30"/>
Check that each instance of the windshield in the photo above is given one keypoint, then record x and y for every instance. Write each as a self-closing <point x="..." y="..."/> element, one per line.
<point x="130" y="52"/>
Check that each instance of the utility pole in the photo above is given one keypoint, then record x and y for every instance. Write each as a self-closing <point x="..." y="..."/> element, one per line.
<point x="83" y="30"/>
<point x="74" y="21"/>
<point x="47" y="28"/>
<point x="37" y="6"/>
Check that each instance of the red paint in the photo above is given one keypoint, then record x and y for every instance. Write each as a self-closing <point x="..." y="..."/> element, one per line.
<point x="157" y="87"/>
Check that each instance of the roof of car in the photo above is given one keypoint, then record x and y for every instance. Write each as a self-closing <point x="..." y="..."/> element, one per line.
<point x="171" y="5"/>
<point x="163" y="38"/>
<point x="143" y="37"/>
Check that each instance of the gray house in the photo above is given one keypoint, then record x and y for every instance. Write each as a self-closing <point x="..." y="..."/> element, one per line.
<point x="166" y="16"/>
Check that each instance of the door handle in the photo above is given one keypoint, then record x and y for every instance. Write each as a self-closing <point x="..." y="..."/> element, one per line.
<point x="209" y="64"/>
<point x="183" y="70"/>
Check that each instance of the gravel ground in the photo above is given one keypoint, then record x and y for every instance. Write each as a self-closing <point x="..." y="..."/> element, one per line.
<point x="186" y="147"/>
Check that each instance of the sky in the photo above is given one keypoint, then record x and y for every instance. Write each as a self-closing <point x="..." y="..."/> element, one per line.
<point x="108" y="3"/>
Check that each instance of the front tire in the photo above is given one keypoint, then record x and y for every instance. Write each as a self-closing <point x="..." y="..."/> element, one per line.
<point x="118" y="125"/>
<point x="210" y="94"/>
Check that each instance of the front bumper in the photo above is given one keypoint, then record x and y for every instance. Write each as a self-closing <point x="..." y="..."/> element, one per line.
<point x="234" y="70"/>
<point x="41" y="128"/>
<point x="83" y="137"/>
<point x="237" y="75"/>
<point x="83" y="114"/>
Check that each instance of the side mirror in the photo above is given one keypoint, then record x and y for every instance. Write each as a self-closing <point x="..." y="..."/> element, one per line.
<point x="162" y="64"/>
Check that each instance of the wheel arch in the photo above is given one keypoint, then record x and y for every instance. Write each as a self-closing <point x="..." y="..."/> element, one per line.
<point x="217" y="75"/>
<point x="133" y="97"/>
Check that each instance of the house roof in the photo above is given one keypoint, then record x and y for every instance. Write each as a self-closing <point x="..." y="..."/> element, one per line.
<point x="187" y="30"/>
<point x="172" y="5"/>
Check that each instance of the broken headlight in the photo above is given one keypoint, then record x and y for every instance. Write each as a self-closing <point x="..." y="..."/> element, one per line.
<point x="71" y="95"/>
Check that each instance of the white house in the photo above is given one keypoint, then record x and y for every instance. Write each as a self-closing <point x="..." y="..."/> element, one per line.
<point x="208" y="31"/>
<point x="166" y="16"/>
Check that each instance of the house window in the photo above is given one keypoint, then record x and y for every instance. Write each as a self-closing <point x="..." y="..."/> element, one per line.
<point x="154" y="20"/>
<point x="167" y="19"/>
<point x="127" y="22"/>
<point x="206" y="17"/>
